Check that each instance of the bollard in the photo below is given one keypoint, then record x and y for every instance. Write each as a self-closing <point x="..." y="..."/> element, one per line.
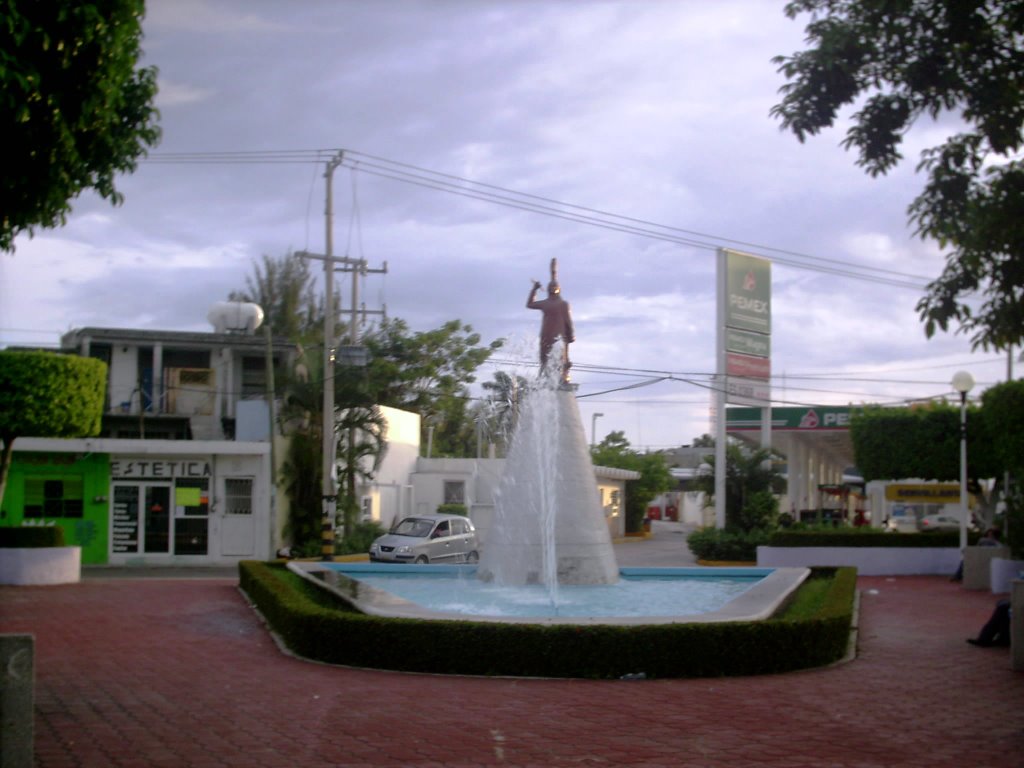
<point x="1017" y="624"/>
<point x="17" y="653"/>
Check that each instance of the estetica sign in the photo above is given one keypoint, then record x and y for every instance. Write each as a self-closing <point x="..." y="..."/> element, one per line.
<point x="159" y="469"/>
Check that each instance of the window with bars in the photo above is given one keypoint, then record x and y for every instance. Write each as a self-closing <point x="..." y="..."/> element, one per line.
<point x="254" y="377"/>
<point x="454" y="492"/>
<point x="238" y="496"/>
<point x="53" y="497"/>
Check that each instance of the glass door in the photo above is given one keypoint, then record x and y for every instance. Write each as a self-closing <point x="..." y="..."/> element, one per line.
<point x="125" y="521"/>
<point x="158" y="519"/>
<point x="141" y="519"/>
<point x="191" y="516"/>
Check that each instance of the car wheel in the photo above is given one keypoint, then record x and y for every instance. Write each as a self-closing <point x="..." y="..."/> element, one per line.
<point x="422" y="560"/>
<point x="472" y="557"/>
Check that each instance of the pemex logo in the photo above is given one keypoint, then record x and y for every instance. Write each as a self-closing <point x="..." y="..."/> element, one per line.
<point x="809" y="420"/>
<point x="749" y="282"/>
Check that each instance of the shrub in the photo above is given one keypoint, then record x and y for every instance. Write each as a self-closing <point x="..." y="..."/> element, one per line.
<point x="31" y="536"/>
<point x="718" y="544"/>
<point x="862" y="537"/>
<point x="44" y="394"/>
<point x="761" y="512"/>
<point x="313" y="629"/>
<point x="452" y="509"/>
<point x="360" y="539"/>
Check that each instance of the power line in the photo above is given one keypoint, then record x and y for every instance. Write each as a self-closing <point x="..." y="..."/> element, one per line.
<point x="392" y="164"/>
<point x="626" y="228"/>
<point x="457" y="185"/>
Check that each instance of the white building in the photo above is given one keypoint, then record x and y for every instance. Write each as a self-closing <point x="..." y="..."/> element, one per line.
<point x="473" y="482"/>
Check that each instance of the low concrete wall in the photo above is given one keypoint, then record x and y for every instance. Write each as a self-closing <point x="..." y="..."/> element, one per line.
<point x="977" y="565"/>
<point x="1003" y="571"/>
<point x="17" y="696"/>
<point x="40" y="565"/>
<point x="1017" y="625"/>
<point x="869" y="561"/>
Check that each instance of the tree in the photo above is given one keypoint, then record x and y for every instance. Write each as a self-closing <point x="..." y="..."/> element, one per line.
<point x="285" y="289"/>
<point x="1003" y="412"/>
<point x="302" y="469"/>
<point x="428" y="372"/>
<point x="361" y="434"/>
<point x="750" y="482"/>
<point x="425" y="372"/>
<point x="905" y="60"/>
<point x="43" y="394"/>
<point x="75" y="112"/>
<point x="924" y="442"/>
<point x="655" y="478"/>
<point x="500" y="406"/>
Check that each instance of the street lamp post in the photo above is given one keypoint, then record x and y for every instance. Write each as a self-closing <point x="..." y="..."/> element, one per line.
<point x="593" y="430"/>
<point x="963" y="382"/>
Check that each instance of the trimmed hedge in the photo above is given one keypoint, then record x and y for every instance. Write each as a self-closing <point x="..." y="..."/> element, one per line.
<point x="852" y="537"/>
<point x="452" y="509"/>
<point x="46" y="394"/>
<point x="717" y="544"/>
<point x="315" y="631"/>
<point x="31" y="536"/>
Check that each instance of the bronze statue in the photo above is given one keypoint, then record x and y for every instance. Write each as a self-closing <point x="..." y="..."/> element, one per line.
<point x="557" y="321"/>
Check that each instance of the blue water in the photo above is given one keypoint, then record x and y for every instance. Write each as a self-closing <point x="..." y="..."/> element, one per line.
<point x="640" y="591"/>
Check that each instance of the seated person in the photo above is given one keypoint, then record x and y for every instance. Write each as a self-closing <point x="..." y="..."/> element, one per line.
<point x="997" y="629"/>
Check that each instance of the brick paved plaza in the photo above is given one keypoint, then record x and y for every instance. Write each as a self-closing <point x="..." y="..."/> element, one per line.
<point x="180" y="672"/>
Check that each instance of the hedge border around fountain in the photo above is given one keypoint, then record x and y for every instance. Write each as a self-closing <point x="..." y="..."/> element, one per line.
<point x="335" y="636"/>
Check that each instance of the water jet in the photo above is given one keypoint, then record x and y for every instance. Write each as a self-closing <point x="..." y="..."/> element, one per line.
<point x="550" y="543"/>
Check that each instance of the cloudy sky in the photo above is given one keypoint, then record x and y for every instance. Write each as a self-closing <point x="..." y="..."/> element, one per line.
<point x="481" y="138"/>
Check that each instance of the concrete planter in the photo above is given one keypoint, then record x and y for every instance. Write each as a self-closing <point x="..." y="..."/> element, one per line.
<point x="1002" y="573"/>
<point x="978" y="565"/>
<point x="1017" y="625"/>
<point x="40" y="565"/>
<point x="869" y="561"/>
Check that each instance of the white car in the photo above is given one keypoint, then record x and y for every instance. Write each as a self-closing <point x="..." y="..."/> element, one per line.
<point x="428" y="539"/>
<point x="938" y="523"/>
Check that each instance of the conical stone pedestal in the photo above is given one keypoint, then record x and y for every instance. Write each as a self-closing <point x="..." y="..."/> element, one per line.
<point x="549" y="523"/>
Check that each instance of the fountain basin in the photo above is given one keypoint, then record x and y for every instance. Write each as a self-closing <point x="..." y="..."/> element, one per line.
<point x="716" y="594"/>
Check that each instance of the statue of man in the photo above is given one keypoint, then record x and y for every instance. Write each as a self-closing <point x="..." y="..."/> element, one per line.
<point x="556" y="323"/>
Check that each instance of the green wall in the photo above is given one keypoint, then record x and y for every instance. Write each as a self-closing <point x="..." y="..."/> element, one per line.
<point x="91" y="531"/>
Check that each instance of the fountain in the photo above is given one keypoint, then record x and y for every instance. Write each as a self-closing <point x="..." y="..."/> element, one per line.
<point x="549" y="526"/>
<point x="549" y="532"/>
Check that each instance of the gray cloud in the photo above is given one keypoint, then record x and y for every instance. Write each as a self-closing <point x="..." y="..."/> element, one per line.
<point x="656" y="111"/>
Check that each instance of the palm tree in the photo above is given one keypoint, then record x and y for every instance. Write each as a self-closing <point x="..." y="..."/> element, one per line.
<point x="286" y="291"/>
<point x="361" y="440"/>
<point x="500" y="408"/>
<point x="300" y="421"/>
<point x="749" y="479"/>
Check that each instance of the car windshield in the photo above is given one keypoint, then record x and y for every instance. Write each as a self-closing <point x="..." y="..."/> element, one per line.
<point x="414" y="526"/>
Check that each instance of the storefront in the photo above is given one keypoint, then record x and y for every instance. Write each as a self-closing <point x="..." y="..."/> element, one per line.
<point x="138" y="502"/>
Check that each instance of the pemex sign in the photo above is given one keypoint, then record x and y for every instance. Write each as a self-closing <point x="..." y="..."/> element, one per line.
<point x="746" y="322"/>
<point x="820" y="418"/>
<point x="748" y="288"/>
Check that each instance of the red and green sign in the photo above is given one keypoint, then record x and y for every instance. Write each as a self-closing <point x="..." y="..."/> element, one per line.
<point x="800" y="419"/>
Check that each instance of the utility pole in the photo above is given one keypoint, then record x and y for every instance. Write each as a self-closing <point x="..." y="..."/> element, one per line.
<point x="351" y="355"/>
<point x="330" y="480"/>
